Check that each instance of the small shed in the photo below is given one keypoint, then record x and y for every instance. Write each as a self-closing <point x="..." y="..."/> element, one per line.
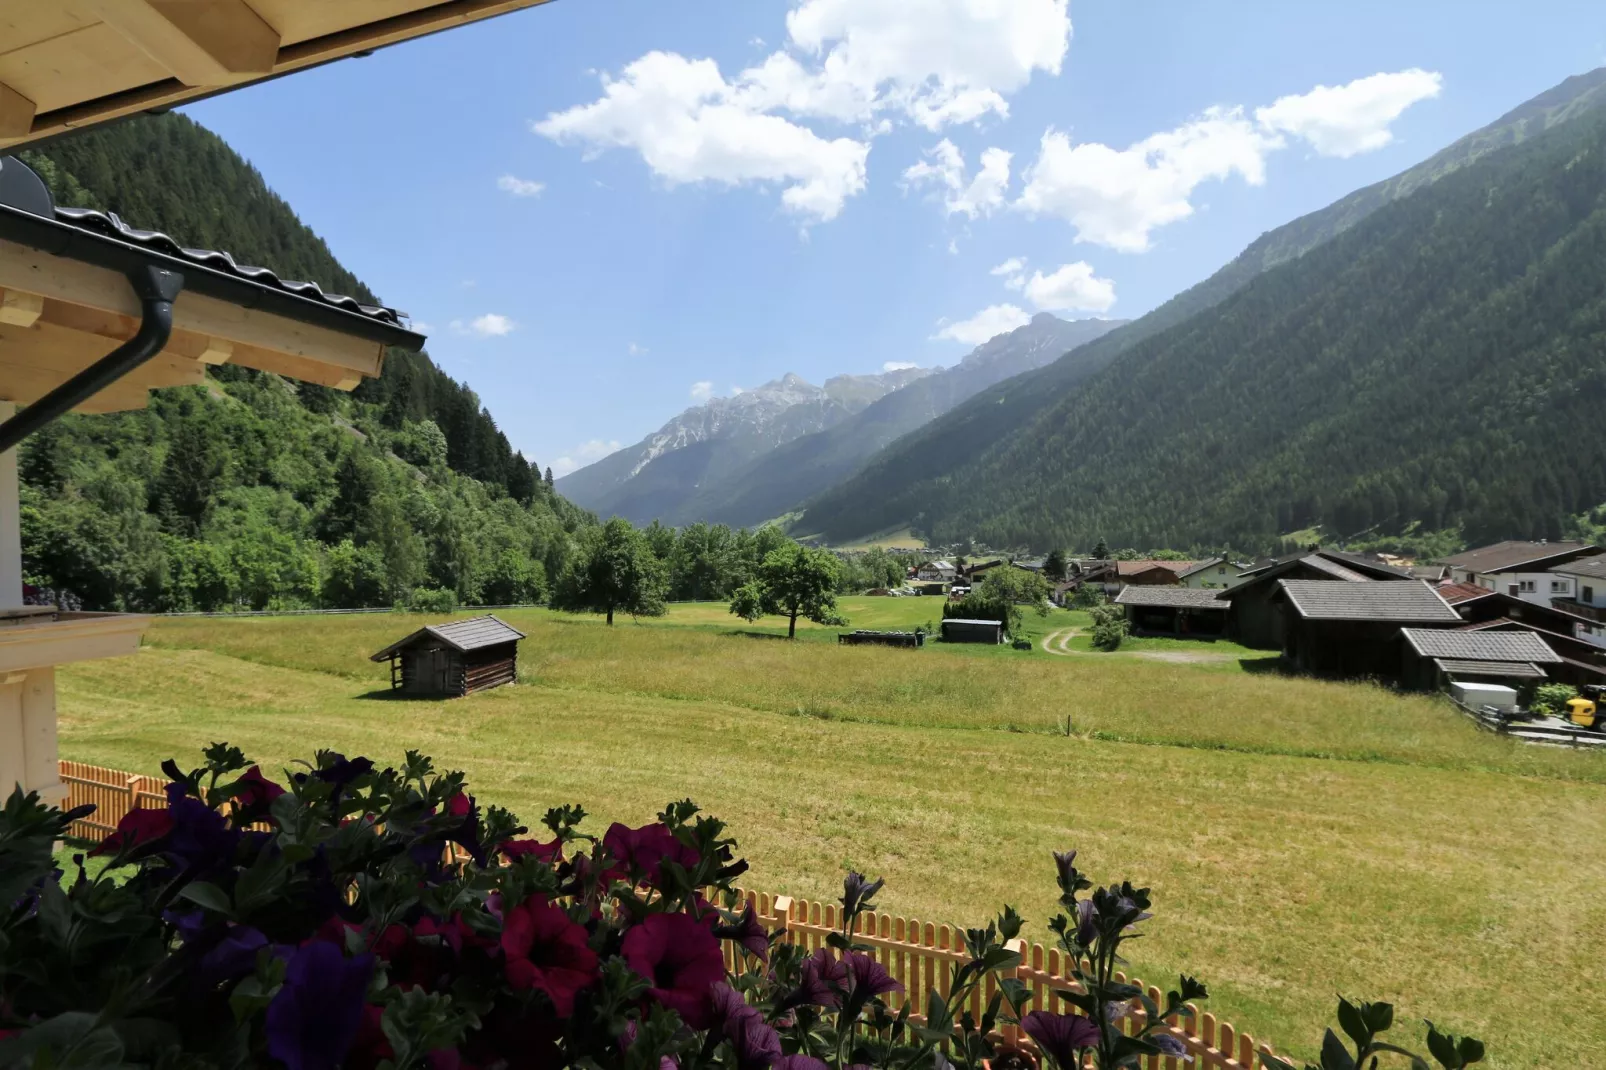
<point x="960" y="630"/>
<point x="1189" y="612"/>
<point x="454" y="659"/>
<point x="1433" y="656"/>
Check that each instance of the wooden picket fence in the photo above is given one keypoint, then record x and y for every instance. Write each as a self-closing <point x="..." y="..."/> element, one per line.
<point x="919" y="955"/>
<point x="922" y="957"/>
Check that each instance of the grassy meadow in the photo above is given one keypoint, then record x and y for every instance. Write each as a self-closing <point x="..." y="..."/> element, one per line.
<point x="1302" y="838"/>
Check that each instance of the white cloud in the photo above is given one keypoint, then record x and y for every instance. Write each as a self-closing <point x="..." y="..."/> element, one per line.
<point x="933" y="62"/>
<point x="988" y="323"/>
<point x="702" y="390"/>
<point x="944" y="166"/>
<point x="582" y="455"/>
<point x="898" y="365"/>
<point x="420" y="326"/>
<point x="520" y="187"/>
<point x="1349" y="119"/>
<point x="936" y="61"/>
<point x="1073" y="288"/>
<point x="1013" y="266"/>
<point x="689" y="127"/>
<point x="637" y="351"/>
<point x="1117" y="197"/>
<point x="489" y="325"/>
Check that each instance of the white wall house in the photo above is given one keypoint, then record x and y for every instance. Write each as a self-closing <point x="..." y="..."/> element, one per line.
<point x="1530" y="571"/>
<point x="1586" y="579"/>
<point x="936" y="571"/>
<point x="1217" y="573"/>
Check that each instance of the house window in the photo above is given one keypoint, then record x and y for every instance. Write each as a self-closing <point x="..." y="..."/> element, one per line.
<point x="1589" y="594"/>
<point x="1558" y="586"/>
<point x="1221" y="571"/>
<point x="1529" y="587"/>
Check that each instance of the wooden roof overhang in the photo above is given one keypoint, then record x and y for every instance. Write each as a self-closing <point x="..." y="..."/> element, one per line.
<point x="66" y="302"/>
<point x="70" y="64"/>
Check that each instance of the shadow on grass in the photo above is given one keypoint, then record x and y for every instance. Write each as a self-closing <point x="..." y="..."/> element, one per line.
<point x="387" y="694"/>
<point x="1267" y="665"/>
<point x="744" y="634"/>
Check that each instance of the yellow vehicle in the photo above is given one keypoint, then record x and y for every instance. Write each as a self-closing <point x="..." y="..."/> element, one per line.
<point x="1582" y="712"/>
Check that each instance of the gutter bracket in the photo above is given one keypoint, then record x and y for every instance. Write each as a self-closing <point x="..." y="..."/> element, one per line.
<point x="157" y="288"/>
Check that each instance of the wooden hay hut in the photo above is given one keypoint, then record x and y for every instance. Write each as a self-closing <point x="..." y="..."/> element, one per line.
<point x="958" y="630"/>
<point x="454" y="659"/>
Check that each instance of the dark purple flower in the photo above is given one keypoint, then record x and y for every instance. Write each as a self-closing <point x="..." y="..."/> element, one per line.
<point x="138" y="828"/>
<point x="342" y="772"/>
<point x="857" y="892"/>
<point x="532" y="848"/>
<point x="200" y="836"/>
<point x="801" y="1062"/>
<point x="1066" y="865"/>
<point x="869" y="978"/>
<point x="467" y="831"/>
<point x="1168" y="1043"/>
<point x="189" y="924"/>
<point x="749" y="932"/>
<point x="1061" y="1036"/>
<point x="547" y="951"/>
<point x="1086" y="922"/>
<point x="754" y="1041"/>
<point x="639" y="854"/>
<point x="314" y="1018"/>
<point x="235" y="955"/>
<point x="823" y="978"/>
<point x="681" y="960"/>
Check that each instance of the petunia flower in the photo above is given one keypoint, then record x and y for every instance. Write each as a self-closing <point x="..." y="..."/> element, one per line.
<point x="1169" y="1044"/>
<point x="343" y="772"/>
<point x="869" y="978"/>
<point x="680" y="959"/>
<point x="233" y="956"/>
<point x="312" y="1021"/>
<point x="533" y="848"/>
<point x="547" y="952"/>
<point x="1061" y="1036"/>
<point x="748" y="931"/>
<point x="640" y="853"/>
<point x="824" y="977"/>
<point x="138" y="828"/>
<point x="754" y="1041"/>
<point x="803" y="1062"/>
<point x="857" y="891"/>
<point x="200" y="836"/>
<point x="1086" y="922"/>
<point x="253" y="801"/>
<point x="1065" y="864"/>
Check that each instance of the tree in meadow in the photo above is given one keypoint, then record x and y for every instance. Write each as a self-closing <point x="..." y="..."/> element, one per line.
<point x="792" y="581"/>
<point x="613" y="569"/>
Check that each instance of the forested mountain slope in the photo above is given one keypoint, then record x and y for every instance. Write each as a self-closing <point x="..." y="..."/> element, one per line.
<point x="255" y="490"/>
<point x="783" y="478"/>
<point x="1441" y="361"/>
<point x="899" y="484"/>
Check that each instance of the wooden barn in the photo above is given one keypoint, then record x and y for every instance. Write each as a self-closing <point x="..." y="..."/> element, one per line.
<point x="454" y="659"/>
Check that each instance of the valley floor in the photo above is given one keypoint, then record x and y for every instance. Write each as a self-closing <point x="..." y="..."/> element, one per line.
<point x="1301" y="838"/>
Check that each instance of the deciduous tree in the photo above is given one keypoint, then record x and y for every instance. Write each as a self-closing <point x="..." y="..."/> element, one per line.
<point x="793" y="581"/>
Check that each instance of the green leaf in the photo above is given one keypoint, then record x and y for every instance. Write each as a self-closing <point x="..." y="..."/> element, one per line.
<point x="1378" y="1016"/>
<point x="1334" y="1055"/>
<point x="1470" y="1050"/>
<point x="207" y="895"/>
<point x="1354" y="1023"/>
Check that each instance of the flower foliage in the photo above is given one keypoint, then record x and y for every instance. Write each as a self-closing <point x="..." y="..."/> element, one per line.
<point x="382" y="919"/>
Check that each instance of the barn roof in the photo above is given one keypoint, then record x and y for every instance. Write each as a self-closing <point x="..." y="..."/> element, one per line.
<point x="1170" y="597"/>
<point x="1479" y="646"/>
<point x="1526" y="670"/>
<point x="970" y="620"/>
<point x="460" y="635"/>
<point x="1413" y="602"/>
<point x="1513" y="554"/>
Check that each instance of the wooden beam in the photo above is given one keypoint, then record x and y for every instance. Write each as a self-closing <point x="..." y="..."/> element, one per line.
<point x="204" y="43"/>
<point x="217" y="351"/>
<point x="20" y="309"/>
<point x="62" y="352"/>
<point x="16" y="113"/>
<point x="304" y="54"/>
<point x="77" y="283"/>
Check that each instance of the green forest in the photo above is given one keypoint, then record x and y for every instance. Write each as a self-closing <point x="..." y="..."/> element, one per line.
<point x="256" y="491"/>
<point x="1438" y="364"/>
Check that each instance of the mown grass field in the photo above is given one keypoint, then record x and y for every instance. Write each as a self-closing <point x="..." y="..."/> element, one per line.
<point x="1302" y="838"/>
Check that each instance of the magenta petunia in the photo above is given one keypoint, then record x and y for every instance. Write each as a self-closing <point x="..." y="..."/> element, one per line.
<point x="681" y="959"/>
<point x="533" y="848"/>
<point x="640" y="853"/>
<point x="1061" y="1036"/>
<point x="546" y="951"/>
<point x="137" y="828"/>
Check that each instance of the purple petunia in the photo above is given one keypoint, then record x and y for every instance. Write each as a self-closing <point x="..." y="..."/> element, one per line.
<point x="1086" y="922"/>
<point x="749" y="932"/>
<point x="800" y="1062"/>
<point x="235" y="955"/>
<point x="200" y="836"/>
<point x="1061" y="1036"/>
<point x="869" y="977"/>
<point x="313" y="1020"/>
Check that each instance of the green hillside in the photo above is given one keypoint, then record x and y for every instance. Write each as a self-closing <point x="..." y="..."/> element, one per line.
<point x="1440" y="361"/>
<point x="906" y="483"/>
<point x="254" y="490"/>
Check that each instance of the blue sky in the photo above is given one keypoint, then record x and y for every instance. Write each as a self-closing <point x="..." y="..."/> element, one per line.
<point x="604" y="211"/>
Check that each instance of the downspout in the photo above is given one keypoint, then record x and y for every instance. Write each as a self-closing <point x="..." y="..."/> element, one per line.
<point x="157" y="289"/>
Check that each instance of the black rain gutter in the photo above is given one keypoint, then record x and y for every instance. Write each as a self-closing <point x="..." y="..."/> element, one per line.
<point x="126" y="258"/>
<point x="157" y="289"/>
